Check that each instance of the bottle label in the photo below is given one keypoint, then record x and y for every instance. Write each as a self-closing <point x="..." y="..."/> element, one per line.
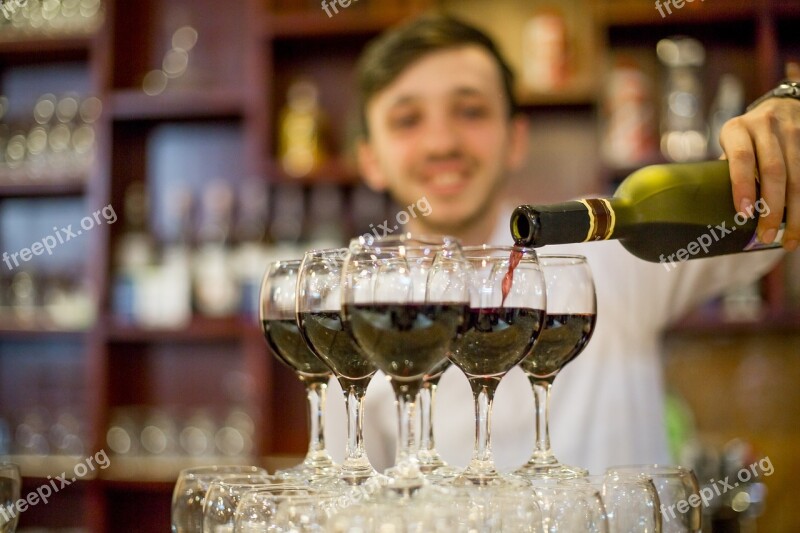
<point x="602" y="219"/>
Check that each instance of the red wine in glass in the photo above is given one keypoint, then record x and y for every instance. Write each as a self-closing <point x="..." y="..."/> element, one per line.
<point x="284" y="338"/>
<point x="493" y="340"/>
<point x="564" y="336"/>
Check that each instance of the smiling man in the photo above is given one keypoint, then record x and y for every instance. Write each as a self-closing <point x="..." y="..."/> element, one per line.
<point x="439" y="121"/>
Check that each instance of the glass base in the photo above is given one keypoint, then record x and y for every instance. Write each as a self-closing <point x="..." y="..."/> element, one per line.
<point x="318" y="466"/>
<point x="550" y="471"/>
<point x="487" y="479"/>
<point x="356" y="474"/>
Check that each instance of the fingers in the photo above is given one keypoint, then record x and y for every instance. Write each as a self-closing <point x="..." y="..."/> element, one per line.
<point x="772" y="175"/>
<point x="790" y="136"/>
<point x="740" y="152"/>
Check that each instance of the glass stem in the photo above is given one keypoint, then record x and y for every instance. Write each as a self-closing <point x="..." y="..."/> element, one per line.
<point x="315" y="391"/>
<point x="541" y="392"/>
<point x="406" y="438"/>
<point x="483" y="393"/>
<point x="354" y="402"/>
<point x="427" y="396"/>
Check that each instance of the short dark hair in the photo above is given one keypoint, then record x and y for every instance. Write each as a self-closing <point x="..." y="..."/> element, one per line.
<point x="388" y="55"/>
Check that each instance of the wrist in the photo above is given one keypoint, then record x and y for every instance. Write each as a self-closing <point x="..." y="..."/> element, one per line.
<point x="785" y="89"/>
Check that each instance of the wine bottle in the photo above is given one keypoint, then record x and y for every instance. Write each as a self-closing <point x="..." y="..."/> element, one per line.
<point x="661" y="213"/>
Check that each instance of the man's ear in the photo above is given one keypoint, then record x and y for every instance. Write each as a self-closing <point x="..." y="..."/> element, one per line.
<point x="518" y="141"/>
<point x="369" y="167"/>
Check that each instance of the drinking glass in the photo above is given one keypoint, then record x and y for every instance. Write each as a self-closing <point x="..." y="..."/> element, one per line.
<point x="278" y="319"/>
<point x="190" y="490"/>
<point x="506" y="312"/>
<point x="319" y="317"/>
<point x="10" y="487"/>
<point x="568" y="326"/>
<point x="403" y="322"/>
<point x="256" y="508"/>
<point x="631" y="501"/>
<point x="570" y="508"/>
<point x="223" y="496"/>
<point x="678" y="493"/>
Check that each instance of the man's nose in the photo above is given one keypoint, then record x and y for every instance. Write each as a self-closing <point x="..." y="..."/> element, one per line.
<point x="441" y="136"/>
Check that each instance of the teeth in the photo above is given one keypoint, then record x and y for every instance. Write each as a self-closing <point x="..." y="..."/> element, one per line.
<point x="449" y="178"/>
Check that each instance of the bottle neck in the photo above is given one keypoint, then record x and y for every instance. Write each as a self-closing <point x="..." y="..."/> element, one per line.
<point x="589" y="219"/>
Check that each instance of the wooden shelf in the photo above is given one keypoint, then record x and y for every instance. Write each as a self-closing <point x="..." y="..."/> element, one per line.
<point x="39" y="49"/>
<point x="622" y="14"/>
<point x="576" y="97"/>
<point x="199" y="329"/>
<point x="712" y="322"/>
<point x="332" y="172"/>
<point x="69" y="187"/>
<point x="38" y="327"/>
<point x="179" y="104"/>
<point x="315" y="23"/>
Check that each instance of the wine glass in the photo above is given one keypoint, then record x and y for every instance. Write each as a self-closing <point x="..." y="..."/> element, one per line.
<point x="631" y="501"/>
<point x="403" y="322"/>
<point x="429" y="459"/>
<point x="10" y="487"/>
<point x="506" y="312"/>
<point x="319" y="317"/>
<point x="568" y="326"/>
<point x="189" y="493"/>
<point x="223" y="495"/>
<point x="678" y="493"/>
<point x="278" y="319"/>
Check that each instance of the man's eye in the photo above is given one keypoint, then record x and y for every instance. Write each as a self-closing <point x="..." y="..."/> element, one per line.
<point x="404" y="121"/>
<point x="472" y="111"/>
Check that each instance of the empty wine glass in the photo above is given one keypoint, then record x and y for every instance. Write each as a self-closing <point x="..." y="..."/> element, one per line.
<point x="570" y="508"/>
<point x="568" y="326"/>
<point x="319" y="316"/>
<point x="223" y="495"/>
<point x="189" y="493"/>
<point x="506" y="311"/>
<point x="10" y="487"/>
<point x="403" y="322"/>
<point x="678" y="494"/>
<point x="631" y="501"/>
<point x="278" y="319"/>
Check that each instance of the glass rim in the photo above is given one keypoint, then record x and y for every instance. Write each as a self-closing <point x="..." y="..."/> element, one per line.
<point x="650" y="469"/>
<point x="504" y="248"/>
<point x="573" y="259"/>
<point x="398" y="239"/>
<point x="220" y="469"/>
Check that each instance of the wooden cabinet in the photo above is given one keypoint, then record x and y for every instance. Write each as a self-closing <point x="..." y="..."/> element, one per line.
<point x="192" y="92"/>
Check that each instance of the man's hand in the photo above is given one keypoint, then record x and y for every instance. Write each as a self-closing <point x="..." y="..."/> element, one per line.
<point x="766" y="141"/>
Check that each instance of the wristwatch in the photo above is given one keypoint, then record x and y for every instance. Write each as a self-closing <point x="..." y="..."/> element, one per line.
<point x="786" y="89"/>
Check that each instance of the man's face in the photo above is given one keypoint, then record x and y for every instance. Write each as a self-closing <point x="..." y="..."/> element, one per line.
<point x="441" y="131"/>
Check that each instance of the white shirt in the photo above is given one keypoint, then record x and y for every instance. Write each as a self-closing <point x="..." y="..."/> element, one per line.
<point x="607" y="405"/>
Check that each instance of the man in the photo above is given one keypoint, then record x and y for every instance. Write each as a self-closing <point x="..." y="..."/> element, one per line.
<point x="439" y="121"/>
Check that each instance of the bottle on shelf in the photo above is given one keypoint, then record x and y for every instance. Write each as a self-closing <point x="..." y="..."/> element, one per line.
<point x="175" y="267"/>
<point x="301" y="137"/>
<point x="135" y="253"/>
<point x="661" y="213"/>
<point x="629" y="118"/>
<point x="252" y="242"/>
<point x="684" y="132"/>
<point x="215" y="290"/>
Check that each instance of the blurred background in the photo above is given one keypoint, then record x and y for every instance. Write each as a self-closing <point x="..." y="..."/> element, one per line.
<point x="219" y="136"/>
